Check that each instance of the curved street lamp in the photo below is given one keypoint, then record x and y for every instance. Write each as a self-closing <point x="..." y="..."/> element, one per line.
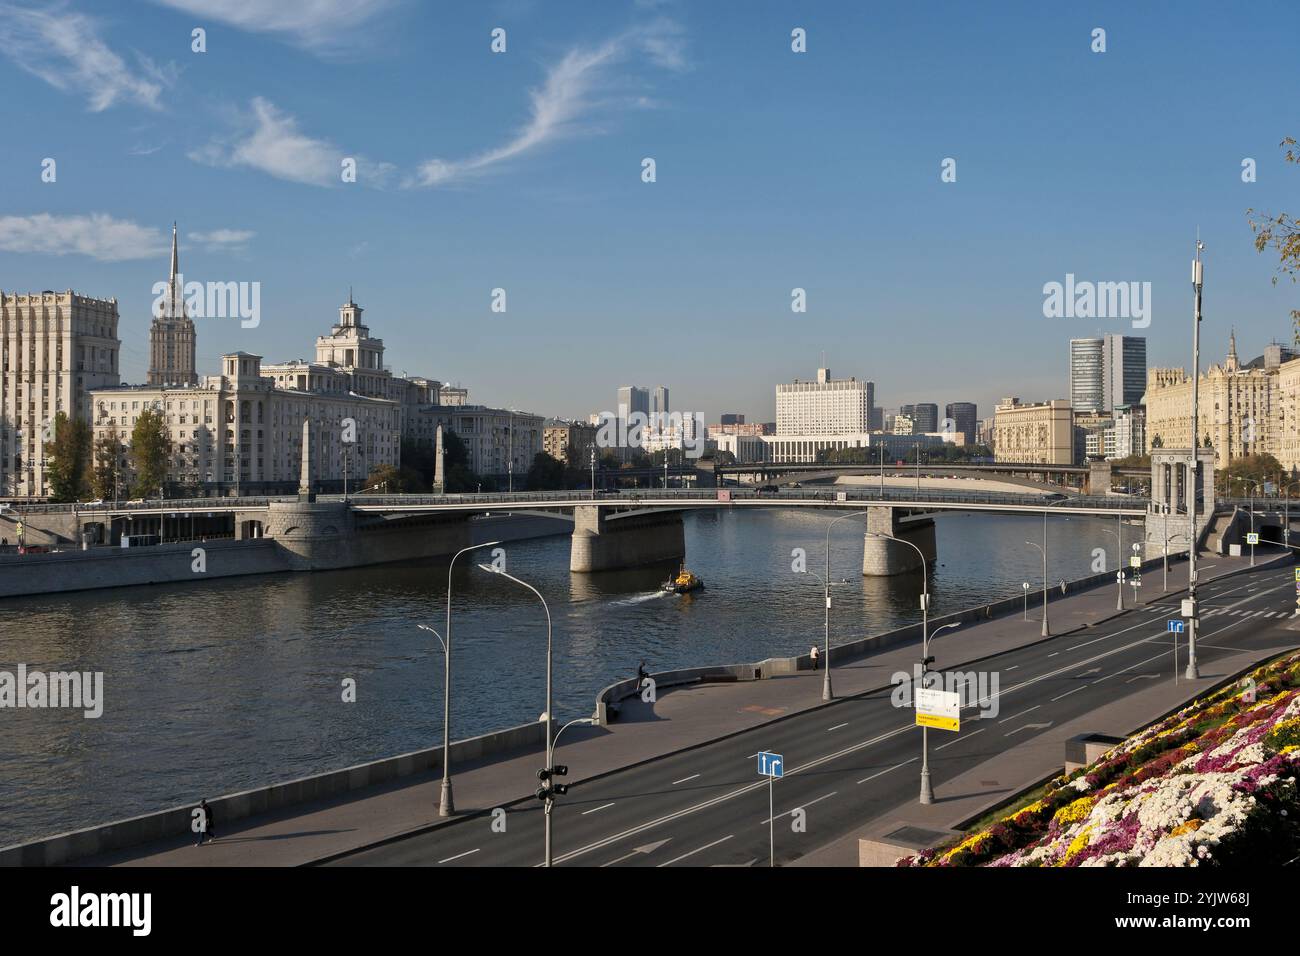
<point x="446" y="805"/>
<point x="826" y="677"/>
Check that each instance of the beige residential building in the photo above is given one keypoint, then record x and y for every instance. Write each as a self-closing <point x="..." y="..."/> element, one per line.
<point x="570" y="442"/>
<point x="239" y="433"/>
<point x="55" y="347"/>
<point x="1240" y="412"/>
<point x="1039" y="433"/>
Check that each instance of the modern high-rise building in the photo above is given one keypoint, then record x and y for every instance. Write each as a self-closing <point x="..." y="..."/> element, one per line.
<point x="965" y="420"/>
<point x="55" y="347"/>
<point x="659" y="401"/>
<point x="632" y="399"/>
<point x="1087" y="391"/>
<point x="825" y="407"/>
<point x="925" y="417"/>
<point x="1106" y="372"/>
<point x="171" y="334"/>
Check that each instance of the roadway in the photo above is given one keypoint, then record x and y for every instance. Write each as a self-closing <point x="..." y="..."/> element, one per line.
<point x="850" y="761"/>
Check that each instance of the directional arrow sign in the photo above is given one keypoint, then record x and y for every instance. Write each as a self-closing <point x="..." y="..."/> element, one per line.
<point x="648" y="848"/>
<point x="770" y="764"/>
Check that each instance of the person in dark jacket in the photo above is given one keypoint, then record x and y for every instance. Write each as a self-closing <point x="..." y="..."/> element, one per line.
<point x="206" y="829"/>
<point x="641" y="674"/>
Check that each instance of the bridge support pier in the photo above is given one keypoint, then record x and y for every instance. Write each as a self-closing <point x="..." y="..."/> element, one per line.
<point x="887" y="555"/>
<point x="606" y="542"/>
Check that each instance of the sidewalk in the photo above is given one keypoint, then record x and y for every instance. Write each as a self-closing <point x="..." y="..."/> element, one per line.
<point x="681" y="718"/>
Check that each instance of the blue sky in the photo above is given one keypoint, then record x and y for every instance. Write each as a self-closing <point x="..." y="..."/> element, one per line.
<point x="775" y="170"/>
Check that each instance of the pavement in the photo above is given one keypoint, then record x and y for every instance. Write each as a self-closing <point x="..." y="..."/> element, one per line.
<point x="652" y="787"/>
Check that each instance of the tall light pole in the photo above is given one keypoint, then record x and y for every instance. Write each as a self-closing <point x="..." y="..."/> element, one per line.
<point x="1119" y="560"/>
<point x="550" y="717"/>
<point x="826" y="676"/>
<point x="593" y="472"/>
<point x="1252" y="485"/>
<point x="1043" y="549"/>
<point x="446" y="805"/>
<point x="927" y="792"/>
<point x="1192" y="671"/>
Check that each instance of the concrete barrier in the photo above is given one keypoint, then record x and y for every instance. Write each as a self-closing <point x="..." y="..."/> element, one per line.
<point x="175" y="822"/>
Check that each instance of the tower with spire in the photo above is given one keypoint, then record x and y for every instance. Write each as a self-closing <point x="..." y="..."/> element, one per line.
<point x="171" y="335"/>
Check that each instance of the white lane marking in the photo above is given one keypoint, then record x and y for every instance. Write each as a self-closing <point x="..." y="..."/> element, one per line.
<point x="458" y="856"/>
<point x="700" y="850"/>
<point x="887" y="770"/>
<point x="826" y="796"/>
<point x="1069" y="692"/>
<point x="1021" y="714"/>
<point x="837" y="727"/>
<point x="684" y="779"/>
<point x="959" y="739"/>
<point x="1053" y="654"/>
<point x="1012" y="667"/>
<point x="594" y="809"/>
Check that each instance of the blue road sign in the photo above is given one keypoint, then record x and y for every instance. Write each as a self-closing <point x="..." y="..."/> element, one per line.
<point x="1176" y="626"/>
<point x="770" y="764"/>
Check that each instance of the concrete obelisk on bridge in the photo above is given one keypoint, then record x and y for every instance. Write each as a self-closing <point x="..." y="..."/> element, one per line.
<point x="306" y="480"/>
<point x="439" y="476"/>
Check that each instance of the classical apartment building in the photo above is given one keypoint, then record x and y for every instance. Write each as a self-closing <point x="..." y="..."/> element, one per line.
<point x="1240" y="406"/>
<point x="171" y="334"/>
<point x="1039" y="433"/>
<point x="499" y="441"/>
<point x="55" y="348"/>
<point x="825" y="407"/>
<point x="239" y="433"/>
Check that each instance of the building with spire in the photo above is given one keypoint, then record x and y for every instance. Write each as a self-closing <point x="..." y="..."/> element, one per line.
<point x="171" y="336"/>
<point x="1241" y="405"/>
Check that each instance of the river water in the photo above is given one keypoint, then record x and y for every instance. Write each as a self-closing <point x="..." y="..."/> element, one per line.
<point x="222" y="686"/>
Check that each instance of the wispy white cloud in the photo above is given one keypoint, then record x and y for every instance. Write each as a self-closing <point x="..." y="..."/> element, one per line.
<point x="269" y="140"/>
<point x="223" y="240"/>
<point x="323" y="26"/>
<point x="565" y="98"/>
<point x="64" y="48"/>
<point x="97" y="235"/>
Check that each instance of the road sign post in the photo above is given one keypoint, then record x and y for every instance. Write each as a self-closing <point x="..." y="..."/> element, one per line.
<point x="771" y="765"/>
<point x="1175" y="627"/>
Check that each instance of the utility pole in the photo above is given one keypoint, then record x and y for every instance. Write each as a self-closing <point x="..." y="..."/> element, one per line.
<point x="1197" y="281"/>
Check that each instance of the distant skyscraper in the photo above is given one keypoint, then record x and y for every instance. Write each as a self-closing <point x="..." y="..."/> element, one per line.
<point x="1107" y="372"/>
<point x="659" y="400"/>
<point x="633" y="399"/>
<point x="965" y="420"/>
<point x="1087" y="391"/>
<point x="171" y="336"/>
<point x="1125" y="370"/>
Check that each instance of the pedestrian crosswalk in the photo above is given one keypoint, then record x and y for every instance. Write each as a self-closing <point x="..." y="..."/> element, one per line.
<point x="1209" y="611"/>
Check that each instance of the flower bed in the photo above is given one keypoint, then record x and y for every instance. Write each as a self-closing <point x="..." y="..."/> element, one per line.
<point x="1214" y="784"/>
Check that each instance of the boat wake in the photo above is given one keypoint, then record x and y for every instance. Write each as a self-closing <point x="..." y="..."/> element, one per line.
<point x="642" y="598"/>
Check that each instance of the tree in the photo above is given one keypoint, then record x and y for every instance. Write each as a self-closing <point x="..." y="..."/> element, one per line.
<point x="150" y="453"/>
<point x="68" y="459"/>
<point x="390" y="480"/>
<point x="1281" y="232"/>
<point x="106" y="474"/>
<point x="546" y="473"/>
<point x="1249" y="469"/>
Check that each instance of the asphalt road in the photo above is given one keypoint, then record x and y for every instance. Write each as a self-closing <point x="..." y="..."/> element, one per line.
<point x="848" y="762"/>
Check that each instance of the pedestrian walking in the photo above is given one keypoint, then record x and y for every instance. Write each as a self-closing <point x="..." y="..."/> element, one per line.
<point x="206" y="822"/>
<point x="814" y="655"/>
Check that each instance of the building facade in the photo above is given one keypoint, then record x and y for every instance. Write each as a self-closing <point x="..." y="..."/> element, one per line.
<point x="238" y="433"/>
<point x="55" y="348"/>
<point x="1107" y="371"/>
<point x="569" y="442"/>
<point x="828" y="406"/>
<point x="1039" y="433"/>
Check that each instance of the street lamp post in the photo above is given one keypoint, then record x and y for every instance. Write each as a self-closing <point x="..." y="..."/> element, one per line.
<point x="1193" y="671"/>
<point x="927" y="792"/>
<point x="446" y="805"/>
<point x="593" y="472"/>
<point x="826" y="676"/>
<point x="1119" y="560"/>
<point x="550" y="717"/>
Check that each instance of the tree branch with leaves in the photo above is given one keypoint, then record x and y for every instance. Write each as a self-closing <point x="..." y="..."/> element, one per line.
<point x="1281" y="232"/>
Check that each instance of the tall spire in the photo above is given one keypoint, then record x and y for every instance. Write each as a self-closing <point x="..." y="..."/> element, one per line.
<point x="1232" y="350"/>
<point x="176" y="297"/>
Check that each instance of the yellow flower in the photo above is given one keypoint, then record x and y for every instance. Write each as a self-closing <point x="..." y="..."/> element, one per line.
<point x="1077" y="845"/>
<point x="1191" y="826"/>
<point x="1074" y="812"/>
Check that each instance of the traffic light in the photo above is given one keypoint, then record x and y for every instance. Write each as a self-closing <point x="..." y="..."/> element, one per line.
<point x="545" y="792"/>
